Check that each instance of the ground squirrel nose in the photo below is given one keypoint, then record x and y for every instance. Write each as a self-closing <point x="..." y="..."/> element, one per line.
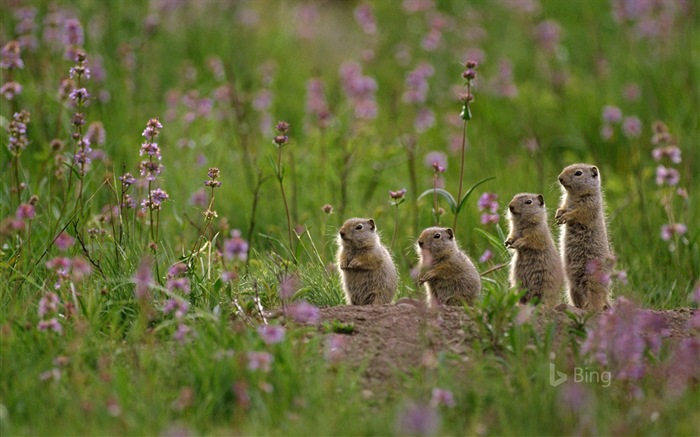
<point x="342" y="234"/>
<point x="561" y="180"/>
<point x="512" y="208"/>
<point x="420" y="243"/>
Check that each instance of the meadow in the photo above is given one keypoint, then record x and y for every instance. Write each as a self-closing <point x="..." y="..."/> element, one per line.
<point x="173" y="174"/>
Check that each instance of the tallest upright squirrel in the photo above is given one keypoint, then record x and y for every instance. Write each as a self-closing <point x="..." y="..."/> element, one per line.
<point x="584" y="239"/>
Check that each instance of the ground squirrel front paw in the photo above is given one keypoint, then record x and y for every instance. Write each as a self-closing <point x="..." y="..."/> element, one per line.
<point x="562" y="215"/>
<point x="425" y="277"/>
<point x="509" y="242"/>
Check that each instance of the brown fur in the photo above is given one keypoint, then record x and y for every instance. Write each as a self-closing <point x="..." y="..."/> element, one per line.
<point x="536" y="265"/>
<point x="366" y="269"/>
<point x="450" y="278"/>
<point x="584" y="242"/>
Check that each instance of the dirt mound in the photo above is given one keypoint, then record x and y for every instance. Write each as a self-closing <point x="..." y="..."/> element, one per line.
<point x="393" y="339"/>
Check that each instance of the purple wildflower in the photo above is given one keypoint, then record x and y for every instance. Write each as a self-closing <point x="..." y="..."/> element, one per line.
<point x="684" y="366"/>
<point x="673" y="153"/>
<point x="360" y="90"/>
<point x="667" y="176"/>
<point x="80" y="268"/>
<point x="259" y="361"/>
<point x="288" y="286"/>
<point x="25" y="211"/>
<point x="436" y="157"/>
<point x="397" y="195"/>
<point x="486" y="256"/>
<point x="303" y="312"/>
<point x="10" y="89"/>
<point x="236" y="246"/>
<point x="150" y="149"/>
<point x="425" y="119"/>
<point x="183" y="331"/>
<point x="48" y="304"/>
<point x="418" y="419"/>
<point x="488" y="202"/>
<point x="335" y="347"/>
<point x="143" y="278"/>
<point x="365" y="18"/>
<point x="632" y="127"/>
<point x="79" y="95"/>
<point x="316" y="104"/>
<point x="271" y="334"/>
<point x="548" y="34"/>
<point x="417" y="84"/>
<point x="621" y="338"/>
<point x="10" y="56"/>
<point x="670" y="230"/>
<point x="153" y="127"/>
<point x="178" y="307"/>
<point x="18" y="140"/>
<point x="51" y="325"/>
<point x="182" y="284"/>
<point x="127" y="180"/>
<point x="442" y="397"/>
<point x="154" y="200"/>
<point x="612" y="114"/>
<point x="177" y="269"/>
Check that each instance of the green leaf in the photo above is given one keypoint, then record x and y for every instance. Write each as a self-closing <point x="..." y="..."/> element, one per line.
<point x="450" y="199"/>
<point x="470" y="190"/>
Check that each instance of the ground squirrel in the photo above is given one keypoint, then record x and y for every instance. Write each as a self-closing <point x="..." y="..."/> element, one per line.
<point x="367" y="271"/>
<point x="584" y="244"/>
<point x="450" y="278"/>
<point x="536" y="265"/>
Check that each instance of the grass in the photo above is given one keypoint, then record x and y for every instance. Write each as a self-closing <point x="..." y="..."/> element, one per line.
<point x="219" y="76"/>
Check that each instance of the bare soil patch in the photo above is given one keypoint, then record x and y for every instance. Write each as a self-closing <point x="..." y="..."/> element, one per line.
<point x="390" y="340"/>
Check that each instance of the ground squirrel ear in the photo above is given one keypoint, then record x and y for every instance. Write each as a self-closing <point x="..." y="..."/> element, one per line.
<point x="594" y="171"/>
<point x="450" y="232"/>
<point x="371" y="224"/>
<point x="540" y="198"/>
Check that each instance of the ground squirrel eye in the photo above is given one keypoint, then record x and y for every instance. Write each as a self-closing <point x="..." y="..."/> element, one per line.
<point x="436" y="236"/>
<point x="529" y="202"/>
<point x="358" y="227"/>
<point x="578" y="173"/>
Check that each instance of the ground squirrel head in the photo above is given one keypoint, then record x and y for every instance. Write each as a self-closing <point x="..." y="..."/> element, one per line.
<point x="435" y="242"/>
<point x="358" y="233"/>
<point x="580" y="179"/>
<point x="527" y="207"/>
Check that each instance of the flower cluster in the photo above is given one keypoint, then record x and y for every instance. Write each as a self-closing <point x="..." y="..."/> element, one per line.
<point x="155" y="198"/>
<point x="360" y="90"/>
<point x="666" y="151"/>
<point x="612" y="115"/>
<point x="10" y="60"/>
<point x="603" y="271"/>
<point x="213" y="175"/>
<point x="150" y="168"/>
<point x="488" y="205"/>
<point x="303" y="312"/>
<point x="73" y="38"/>
<point x="49" y="306"/>
<point x="469" y="74"/>
<point x="236" y="247"/>
<point x="397" y="197"/>
<point x="281" y="138"/>
<point x="68" y="269"/>
<point x="316" y="104"/>
<point x="623" y="337"/>
<point x="18" y="133"/>
<point x="365" y="18"/>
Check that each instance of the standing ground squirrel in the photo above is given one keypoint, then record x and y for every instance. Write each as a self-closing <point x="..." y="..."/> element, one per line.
<point x="584" y="240"/>
<point x="451" y="278"/>
<point x="536" y="265"/>
<point x="367" y="271"/>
